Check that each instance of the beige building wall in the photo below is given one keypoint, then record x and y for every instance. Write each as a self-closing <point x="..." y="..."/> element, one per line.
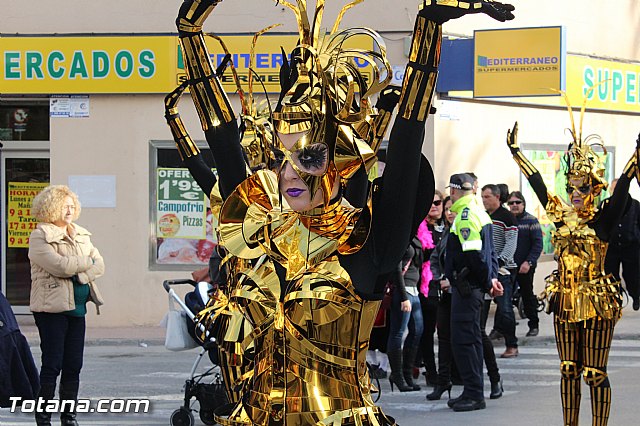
<point x="115" y="139"/>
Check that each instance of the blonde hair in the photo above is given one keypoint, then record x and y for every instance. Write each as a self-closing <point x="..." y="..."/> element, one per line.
<point x="48" y="204"/>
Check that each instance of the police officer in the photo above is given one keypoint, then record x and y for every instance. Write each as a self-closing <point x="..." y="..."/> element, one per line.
<point x="470" y="266"/>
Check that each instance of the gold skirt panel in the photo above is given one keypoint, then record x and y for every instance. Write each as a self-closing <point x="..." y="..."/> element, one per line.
<point x="599" y="297"/>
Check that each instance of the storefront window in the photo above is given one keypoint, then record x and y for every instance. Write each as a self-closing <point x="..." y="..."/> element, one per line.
<point x="549" y="161"/>
<point x="24" y="120"/>
<point x="22" y="179"/>
<point x="183" y="236"/>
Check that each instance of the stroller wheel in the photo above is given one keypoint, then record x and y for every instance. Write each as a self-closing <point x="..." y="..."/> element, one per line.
<point x="182" y="417"/>
<point x="521" y="312"/>
<point x="207" y="417"/>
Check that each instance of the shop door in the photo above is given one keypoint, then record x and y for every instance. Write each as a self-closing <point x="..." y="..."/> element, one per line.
<point x="25" y="171"/>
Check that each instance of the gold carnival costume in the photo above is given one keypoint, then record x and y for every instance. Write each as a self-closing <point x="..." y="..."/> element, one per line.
<point x="294" y="319"/>
<point x="586" y="302"/>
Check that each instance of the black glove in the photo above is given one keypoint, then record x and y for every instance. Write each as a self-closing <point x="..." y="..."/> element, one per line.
<point x="512" y="139"/>
<point x="499" y="11"/>
<point x="389" y="98"/>
<point x="441" y="11"/>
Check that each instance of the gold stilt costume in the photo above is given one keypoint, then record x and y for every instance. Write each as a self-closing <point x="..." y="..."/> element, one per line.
<point x="586" y="302"/>
<point x="294" y="318"/>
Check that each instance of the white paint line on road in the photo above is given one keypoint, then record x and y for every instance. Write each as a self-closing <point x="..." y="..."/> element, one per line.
<point x="615" y="352"/>
<point x="170" y="374"/>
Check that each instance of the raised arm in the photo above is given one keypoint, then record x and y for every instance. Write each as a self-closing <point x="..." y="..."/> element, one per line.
<point x="614" y="207"/>
<point x="392" y="226"/>
<point x="528" y="169"/>
<point x="189" y="152"/>
<point x="214" y="109"/>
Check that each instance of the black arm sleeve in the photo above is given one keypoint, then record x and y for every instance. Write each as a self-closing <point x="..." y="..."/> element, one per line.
<point x="398" y="280"/>
<point x="613" y="209"/>
<point x="539" y="188"/>
<point x="393" y="217"/>
<point x="224" y="141"/>
<point x="201" y="173"/>
<point x="357" y="189"/>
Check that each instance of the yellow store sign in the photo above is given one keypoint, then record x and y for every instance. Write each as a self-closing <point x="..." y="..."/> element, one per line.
<point x="620" y="83"/>
<point x="519" y="62"/>
<point x="66" y="65"/>
<point x="133" y="64"/>
<point x="266" y="62"/>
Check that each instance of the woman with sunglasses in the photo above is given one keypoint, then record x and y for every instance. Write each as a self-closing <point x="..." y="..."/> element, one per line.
<point x="586" y="302"/>
<point x="526" y="256"/>
<point x="443" y="317"/>
<point x="429" y="234"/>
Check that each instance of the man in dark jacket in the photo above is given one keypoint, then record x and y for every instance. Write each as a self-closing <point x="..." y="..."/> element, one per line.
<point x="526" y="256"/>
<point x="624" y="248"/>
<point x="469" y="266"/>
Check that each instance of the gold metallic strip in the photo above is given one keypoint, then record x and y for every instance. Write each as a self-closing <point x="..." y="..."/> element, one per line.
<point x="319" y="295"/>
<point x="207" y="107"/>
<point x="222" y="100"/>
<point x="306" y="344"/>
<point x="425" y="105"/>
<point x="525" y="165"/>
<point x="418" y="34"/>
<point x="202" y="56"/>
<point x="631" y="169"/>
<point x="412" y="94"/>
<point x="190" y="62"/>
<point x="432" y="35"/>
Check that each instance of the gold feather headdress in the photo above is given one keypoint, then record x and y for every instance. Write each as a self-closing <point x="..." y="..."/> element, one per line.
<point x="582" y="160"/>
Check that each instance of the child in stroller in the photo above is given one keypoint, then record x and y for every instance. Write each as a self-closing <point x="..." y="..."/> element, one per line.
<point x="207" y="387"/>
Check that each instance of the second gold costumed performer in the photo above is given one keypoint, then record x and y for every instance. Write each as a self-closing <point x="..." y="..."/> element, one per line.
<point x="585" y="301"/>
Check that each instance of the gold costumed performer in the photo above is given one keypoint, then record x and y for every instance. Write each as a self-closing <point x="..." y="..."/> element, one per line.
<point x="585" y="301"/>
<point x="302" y="261"/>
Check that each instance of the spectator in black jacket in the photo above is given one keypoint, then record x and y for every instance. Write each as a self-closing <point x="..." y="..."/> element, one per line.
<point x="526" y="257"/>
<point x="624" y="248"/>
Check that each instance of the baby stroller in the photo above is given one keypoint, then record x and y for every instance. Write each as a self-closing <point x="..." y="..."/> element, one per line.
<point x="207" y="388"/>
<point x="518" y="303"/>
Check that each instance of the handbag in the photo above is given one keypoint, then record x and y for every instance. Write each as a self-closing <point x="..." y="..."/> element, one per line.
<point x="177" y="337"/>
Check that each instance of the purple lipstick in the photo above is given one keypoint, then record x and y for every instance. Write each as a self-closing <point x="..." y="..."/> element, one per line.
<point x="294" y="192"/>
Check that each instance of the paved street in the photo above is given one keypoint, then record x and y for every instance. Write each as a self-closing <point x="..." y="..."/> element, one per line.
<point x="129" y="370"/>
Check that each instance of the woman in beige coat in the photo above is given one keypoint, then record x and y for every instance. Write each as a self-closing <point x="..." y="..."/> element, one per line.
<point x="64" y="266"/>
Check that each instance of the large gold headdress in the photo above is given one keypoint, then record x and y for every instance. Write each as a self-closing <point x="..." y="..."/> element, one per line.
<point x="326" y="95"/>
<point x="581" y="159"/>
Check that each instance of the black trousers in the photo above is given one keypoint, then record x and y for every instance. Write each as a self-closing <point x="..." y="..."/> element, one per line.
<point x="62" y="346"/>
<point x="447" y="370"/>
<point x="629" y="258"/>
<point x="529" y="299"/>
<point x="426" y="354"/>
<point x="488" y="352"/>
<point x="466" y="341"/>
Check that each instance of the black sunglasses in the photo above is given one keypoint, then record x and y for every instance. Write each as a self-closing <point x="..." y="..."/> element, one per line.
<point x="437" y="202"/>
<point x="514" y="202"/>
<point x="584" y="189"/>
